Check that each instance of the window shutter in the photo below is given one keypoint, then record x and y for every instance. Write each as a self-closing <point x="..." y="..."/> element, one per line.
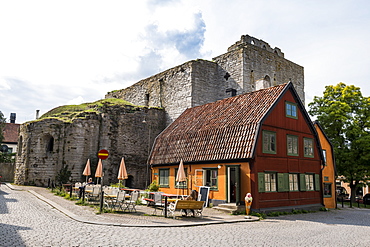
<point x="317" y="182"/>
<point x="283" y="182"/>
<point x="261" y="182"/>
<point x="286" y="181"/>
<point x="302" y="182"/>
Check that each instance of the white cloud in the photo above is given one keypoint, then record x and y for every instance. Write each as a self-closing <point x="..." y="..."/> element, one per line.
<point x="57" y="52"/>
<point x="76" y="101"/>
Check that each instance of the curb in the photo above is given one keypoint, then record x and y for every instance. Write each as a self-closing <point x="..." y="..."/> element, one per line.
<point x="180" y="224"/>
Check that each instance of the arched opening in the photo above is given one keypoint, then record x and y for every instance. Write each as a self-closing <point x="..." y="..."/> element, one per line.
<point x="128" y="181"/>
<point x="49" y="143"/>
<point x="263" y="83"/>
<point x="146" y="99"/>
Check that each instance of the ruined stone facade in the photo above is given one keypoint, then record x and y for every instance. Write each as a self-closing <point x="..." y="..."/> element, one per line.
<point x="250" y="64"/>
<point x="48" y="145"/>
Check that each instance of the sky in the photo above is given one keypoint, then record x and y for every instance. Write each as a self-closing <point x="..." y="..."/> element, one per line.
<point x="55" y="53"/>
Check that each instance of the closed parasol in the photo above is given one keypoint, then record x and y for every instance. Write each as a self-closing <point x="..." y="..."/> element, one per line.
<point x="99" y="170"/>
<point x="122" y="173"/>
<point x="87" y="170"/>
<point x="181" y="176"/>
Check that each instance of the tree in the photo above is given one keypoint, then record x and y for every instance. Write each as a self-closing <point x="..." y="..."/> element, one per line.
<point x="344" y="114"/>
<point x="2" y="124"/>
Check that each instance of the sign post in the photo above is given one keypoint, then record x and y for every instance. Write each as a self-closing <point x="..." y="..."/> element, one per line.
<point x="102" y="154"/>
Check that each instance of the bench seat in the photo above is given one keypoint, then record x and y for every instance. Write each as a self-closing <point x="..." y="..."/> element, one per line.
<point x="179" y="205"/>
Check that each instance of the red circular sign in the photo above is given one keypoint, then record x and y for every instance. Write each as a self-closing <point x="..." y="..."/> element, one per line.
<point x="103" y="154"/>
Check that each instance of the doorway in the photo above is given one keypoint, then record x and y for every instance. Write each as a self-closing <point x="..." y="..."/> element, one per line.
<point x="233" y="183"/>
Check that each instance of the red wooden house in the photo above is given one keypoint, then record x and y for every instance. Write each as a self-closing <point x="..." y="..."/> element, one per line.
<point x="262" y="143"/>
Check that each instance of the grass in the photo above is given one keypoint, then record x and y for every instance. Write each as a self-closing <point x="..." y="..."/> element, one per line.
<point x="67" y="113"/>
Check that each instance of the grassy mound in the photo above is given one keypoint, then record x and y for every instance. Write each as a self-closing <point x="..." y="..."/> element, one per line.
<point x="69" y="112"/>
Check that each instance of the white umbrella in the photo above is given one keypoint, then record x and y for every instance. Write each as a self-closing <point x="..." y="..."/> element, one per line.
<point x="87" y="170"/>
<point x="122" y="173"/>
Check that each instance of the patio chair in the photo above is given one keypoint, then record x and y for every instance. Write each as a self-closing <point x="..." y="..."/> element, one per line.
<point x="110" y="196"/>
<point x="95" y="194"/>
<point x="131" y="204"/>
<point x="120" y="200"/>
<point x="158" y="202"/>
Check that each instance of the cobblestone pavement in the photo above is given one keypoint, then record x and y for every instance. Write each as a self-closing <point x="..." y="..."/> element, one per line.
<point x="28" y="220"/>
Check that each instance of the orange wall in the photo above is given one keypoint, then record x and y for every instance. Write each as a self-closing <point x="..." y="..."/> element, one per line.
<point x="328" y="173"/>
<point x="220" y="193"/>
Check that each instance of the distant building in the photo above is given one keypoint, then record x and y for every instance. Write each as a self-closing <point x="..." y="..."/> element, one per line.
<point x="10" y="133"/>
<point x="328" y="170"/>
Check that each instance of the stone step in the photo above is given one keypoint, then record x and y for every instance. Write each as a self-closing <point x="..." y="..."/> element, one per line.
<point x="231" y="208"/>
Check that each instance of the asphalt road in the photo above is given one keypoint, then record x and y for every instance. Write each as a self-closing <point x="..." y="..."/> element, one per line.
<point x="25" y="220"/>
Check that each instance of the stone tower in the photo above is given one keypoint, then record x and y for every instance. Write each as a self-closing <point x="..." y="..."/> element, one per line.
<point x="248" y="65"/>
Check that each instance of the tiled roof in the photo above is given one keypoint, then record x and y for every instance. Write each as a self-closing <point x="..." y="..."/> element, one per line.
<point x="223" y="130"/>
<point x="10" y="133"/>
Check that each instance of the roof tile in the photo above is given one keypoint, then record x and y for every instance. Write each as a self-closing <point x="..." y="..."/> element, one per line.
<point x="222" y="130"/>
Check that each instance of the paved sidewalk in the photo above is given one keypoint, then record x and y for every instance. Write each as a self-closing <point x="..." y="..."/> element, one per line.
<point x="142" y="218"/>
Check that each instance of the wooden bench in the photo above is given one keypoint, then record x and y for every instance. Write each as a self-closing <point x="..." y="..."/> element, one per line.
<point x="197" y="206"/>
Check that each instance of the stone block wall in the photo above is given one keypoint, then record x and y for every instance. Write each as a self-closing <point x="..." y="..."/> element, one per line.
<point x="120" y="130"/>
<point x="248" y="63"/>
<point x="240" y="70"/>
<point x="184" y="86"/>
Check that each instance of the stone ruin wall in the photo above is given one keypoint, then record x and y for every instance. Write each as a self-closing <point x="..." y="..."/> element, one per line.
<point x="174" y="90"/>
<point x="198" y="82"/>
<point x="121" y="131"/>
<point x="250" y="60"/>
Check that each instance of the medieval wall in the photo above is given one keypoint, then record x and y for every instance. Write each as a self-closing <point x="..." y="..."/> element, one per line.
<point x="251" y="60"/>
<point x="176" y="89"/>
<point x="250" y="64"/>
<point x="47" y="145"/>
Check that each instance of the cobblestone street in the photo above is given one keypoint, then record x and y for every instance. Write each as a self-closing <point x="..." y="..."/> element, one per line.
<point x="25" y="220"/>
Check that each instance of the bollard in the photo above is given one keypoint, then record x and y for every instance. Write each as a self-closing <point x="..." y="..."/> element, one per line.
<point x="342" y="202"/>
<point x="101" y="201"/>
<point x="70" y="191"/>
<point x="83" y="194"/>
<point x="165" y="206"/>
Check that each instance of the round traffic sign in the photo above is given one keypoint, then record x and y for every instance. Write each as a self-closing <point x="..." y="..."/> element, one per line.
<point x="103" y="154"/>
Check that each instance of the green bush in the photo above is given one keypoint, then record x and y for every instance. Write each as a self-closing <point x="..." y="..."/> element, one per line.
<point x="153" y="187"/>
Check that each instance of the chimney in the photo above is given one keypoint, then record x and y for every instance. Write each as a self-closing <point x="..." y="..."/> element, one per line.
<point x="12" y="117"/>
<point x="37" y="114"/>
